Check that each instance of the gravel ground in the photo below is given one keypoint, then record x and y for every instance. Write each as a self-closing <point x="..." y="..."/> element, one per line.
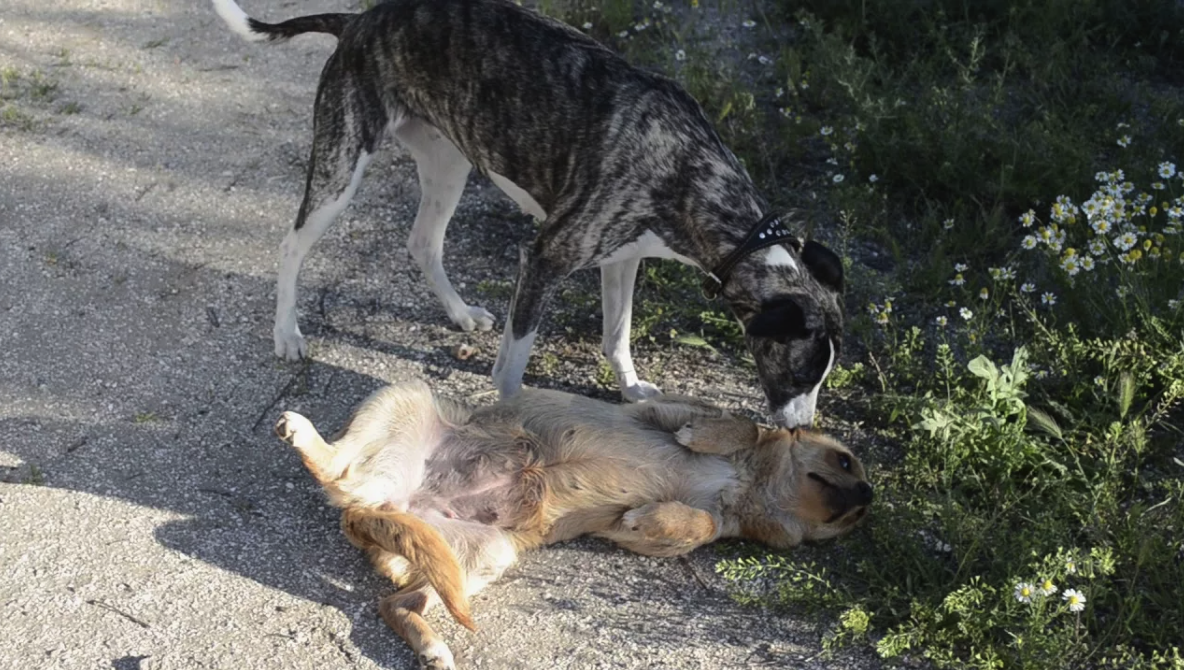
<point x="149" y="165"/>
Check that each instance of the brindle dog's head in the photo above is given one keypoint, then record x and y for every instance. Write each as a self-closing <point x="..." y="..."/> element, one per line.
<point x="816" y="483"/>
<point x="793" y="324"/>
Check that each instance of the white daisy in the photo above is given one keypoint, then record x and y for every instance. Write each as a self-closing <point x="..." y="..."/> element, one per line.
<point x="1024" y="592"/>
<point x="1028" y="287"/>
<point x="838" y="179"/>
<point x="825" y="131"/>
<point x="1029" y="242"/>
<point x="587" y="25"/>
<point x="961" y="267"/>
<point x="958" y="280"/>
<point x="1047" y="588"/>
<point x="680" y="55"/>
<point x="749" y="23"/>
<point x="1167" y="170"/>
<point x="1087" y="263"/>
<point x="1071" y="265"/>
<point x="1126" y="240"/>
<point x="947" y="224"/>
<point x="1124" y="141"/>
<point x="965" y="313"/>
<point x="941" y="321"/>
<point x="1048" y="299"/>
<point x="873" y="178"/>
<point x="1028" y="218"/>
<point x="1075" y="599"/>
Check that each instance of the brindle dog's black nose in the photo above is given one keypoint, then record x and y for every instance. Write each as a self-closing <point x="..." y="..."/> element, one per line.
<point x="863" y="493"/>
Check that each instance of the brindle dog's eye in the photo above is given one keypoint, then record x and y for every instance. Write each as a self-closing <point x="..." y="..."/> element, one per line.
<point x="845" y="462"/>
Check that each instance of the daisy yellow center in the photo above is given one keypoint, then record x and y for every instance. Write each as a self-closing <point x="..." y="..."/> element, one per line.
<point x="1025" y="592"/>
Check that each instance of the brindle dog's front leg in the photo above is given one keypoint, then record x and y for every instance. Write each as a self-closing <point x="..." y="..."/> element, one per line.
<point x="664" y="529"/>
<point x="538" y="276"/>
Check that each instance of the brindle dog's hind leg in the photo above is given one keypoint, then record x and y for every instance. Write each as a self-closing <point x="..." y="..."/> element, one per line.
<point x="346" y="133"/>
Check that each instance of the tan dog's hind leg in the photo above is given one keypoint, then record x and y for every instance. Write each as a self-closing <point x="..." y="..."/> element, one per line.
<point x="403" y="612"/>
<point x="664" y="529"/>
<point x="486" y="553"/>
<point x="392" y="566"/>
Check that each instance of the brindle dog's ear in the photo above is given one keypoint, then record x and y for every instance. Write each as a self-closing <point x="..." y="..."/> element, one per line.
<point x="781" y="320"/>
<point x="824" y="264"/>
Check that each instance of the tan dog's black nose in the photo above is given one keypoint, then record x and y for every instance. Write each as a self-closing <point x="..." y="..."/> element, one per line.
<point x="863" y="493"/>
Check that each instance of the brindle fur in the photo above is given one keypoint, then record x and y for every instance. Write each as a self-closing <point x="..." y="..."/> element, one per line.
<point x="443" y="497"/>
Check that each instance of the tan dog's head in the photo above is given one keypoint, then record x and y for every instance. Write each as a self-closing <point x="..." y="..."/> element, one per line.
<point x="817" y="482"/>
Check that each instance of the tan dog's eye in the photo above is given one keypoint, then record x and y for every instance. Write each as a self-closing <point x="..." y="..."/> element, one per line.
<point x="845" y="462"/>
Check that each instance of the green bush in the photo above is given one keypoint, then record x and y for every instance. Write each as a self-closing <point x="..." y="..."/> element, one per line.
<point x="1026" y="365"/>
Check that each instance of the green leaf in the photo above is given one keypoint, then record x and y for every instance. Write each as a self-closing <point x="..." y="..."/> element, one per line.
<point x="694" y="341"/>
<point x="1044" y="423"/>
<point x="1126" y="393"/>
<point x="725" y="111"/>
<point x="984" y="368"/>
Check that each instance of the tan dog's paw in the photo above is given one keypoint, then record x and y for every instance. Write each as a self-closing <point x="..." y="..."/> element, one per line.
<point x="685" y="435"/>
<point x="652" y="520"/>
<point x="436" y="656"/>
<point x="294" y="429"/>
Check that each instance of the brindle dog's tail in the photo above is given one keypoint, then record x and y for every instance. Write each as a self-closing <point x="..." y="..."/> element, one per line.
<point x="421" y="544"/>
<point x="257" y="31"/>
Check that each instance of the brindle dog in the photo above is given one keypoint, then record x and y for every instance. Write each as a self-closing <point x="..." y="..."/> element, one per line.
<point x="619" y="164"/>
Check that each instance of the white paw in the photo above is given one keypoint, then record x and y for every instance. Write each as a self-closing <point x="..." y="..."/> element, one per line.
<point x="639" y="391"/>
<point x="289" y="343"/>
<point x="684" y="435"/>
<point x="294" y="429"/>
<point x="436" y="656"/>
<point x="473" y="318"/>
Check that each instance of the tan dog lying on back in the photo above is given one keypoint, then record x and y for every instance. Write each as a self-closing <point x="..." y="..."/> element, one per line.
<point x="443" y="497"/>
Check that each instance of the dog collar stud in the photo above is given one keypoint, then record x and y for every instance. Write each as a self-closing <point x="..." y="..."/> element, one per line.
<point x="767" y="232"/>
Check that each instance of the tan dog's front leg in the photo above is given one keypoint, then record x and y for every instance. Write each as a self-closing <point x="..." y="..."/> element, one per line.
<point x="664" y="529"/>
<point x="723" y="435"/>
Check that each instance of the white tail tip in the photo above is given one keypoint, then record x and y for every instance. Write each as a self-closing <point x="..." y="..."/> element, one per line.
<point x="236" y="18"/>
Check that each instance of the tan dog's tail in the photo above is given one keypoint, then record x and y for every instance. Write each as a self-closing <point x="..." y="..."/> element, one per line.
<point x="398" y="532"/>
<point x="421" y="544"/>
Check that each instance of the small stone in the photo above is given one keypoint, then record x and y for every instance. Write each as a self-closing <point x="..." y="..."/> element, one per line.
<point x="463" y="352"/>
